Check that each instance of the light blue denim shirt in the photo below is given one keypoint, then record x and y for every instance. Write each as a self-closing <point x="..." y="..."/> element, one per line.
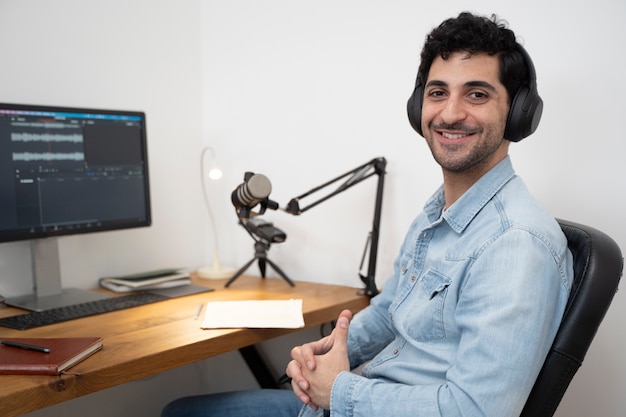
<point x="465" y="322"/>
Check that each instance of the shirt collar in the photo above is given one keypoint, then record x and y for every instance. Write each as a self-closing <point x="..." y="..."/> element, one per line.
<point x="460" y="214"/>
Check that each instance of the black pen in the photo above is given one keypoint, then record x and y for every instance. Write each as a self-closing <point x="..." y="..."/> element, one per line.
<point x="26" y="346"/>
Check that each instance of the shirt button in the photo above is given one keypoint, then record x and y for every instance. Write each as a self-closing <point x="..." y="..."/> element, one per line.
<point x="413" y="278"/>
<point x="395" y="351"/>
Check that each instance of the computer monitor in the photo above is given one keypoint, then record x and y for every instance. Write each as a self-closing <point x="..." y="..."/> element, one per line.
<point x="67" y="171"/>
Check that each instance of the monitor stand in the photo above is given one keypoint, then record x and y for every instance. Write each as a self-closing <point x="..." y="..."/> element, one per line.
<point x="48" y="291"/>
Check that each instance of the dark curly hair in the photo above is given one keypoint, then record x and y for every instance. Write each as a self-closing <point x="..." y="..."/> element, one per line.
<point x="476" y="34"/>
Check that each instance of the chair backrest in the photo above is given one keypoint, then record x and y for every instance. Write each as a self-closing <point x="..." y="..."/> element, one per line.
<point x="598" y="265"/>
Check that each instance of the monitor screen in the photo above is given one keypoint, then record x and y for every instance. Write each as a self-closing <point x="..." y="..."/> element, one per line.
<point x="67" y="171"/>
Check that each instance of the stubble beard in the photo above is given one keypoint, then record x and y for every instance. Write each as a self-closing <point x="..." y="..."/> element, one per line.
<point x="452" y="158"/>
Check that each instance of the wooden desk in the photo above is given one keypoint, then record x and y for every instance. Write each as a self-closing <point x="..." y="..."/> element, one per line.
<point x="146" y="340"/>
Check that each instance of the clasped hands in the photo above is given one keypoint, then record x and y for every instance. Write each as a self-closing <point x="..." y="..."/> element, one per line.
<point x="314" y="366"/>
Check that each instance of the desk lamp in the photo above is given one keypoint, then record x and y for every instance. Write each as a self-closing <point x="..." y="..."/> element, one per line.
<point x="216" y="271"/>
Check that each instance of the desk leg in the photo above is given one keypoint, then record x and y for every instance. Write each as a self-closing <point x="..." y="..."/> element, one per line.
<point x="258" y="367"/>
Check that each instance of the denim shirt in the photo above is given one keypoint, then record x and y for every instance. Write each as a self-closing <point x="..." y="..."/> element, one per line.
<point x="463" y="325"/>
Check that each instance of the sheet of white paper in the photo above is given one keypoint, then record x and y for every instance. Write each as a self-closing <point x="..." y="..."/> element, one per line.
<point x="285" y="314"/>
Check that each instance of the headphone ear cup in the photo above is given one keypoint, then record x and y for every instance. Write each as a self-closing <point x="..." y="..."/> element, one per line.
<point x="524" y="114"/>
<point x="414" y="107"/>
<point x="526" y="106"/>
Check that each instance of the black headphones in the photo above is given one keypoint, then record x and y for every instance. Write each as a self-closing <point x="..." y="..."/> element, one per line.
<point x="524" y="114"/>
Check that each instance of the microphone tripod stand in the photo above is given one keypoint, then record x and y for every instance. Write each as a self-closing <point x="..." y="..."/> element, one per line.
<point x="261" y="246"/>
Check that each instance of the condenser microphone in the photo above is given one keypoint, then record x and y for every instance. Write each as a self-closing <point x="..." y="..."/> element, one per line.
<point x="254" y="189"/>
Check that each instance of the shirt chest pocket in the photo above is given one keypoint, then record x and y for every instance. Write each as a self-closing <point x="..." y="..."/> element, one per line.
<point x="422" y="314"/>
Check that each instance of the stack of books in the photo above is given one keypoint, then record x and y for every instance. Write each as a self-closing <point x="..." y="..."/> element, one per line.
<point x="152" y="280"/>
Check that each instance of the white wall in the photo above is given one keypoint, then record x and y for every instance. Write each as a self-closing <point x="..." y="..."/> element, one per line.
<point x="302" y="92"/>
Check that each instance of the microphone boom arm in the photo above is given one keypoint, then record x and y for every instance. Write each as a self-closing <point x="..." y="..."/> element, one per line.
<point x="374" y="167"/>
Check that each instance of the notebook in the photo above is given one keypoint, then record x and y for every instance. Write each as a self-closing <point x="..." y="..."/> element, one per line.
<point x="63" y="354"/>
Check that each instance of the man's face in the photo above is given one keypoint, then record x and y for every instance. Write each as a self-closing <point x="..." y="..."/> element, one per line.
<point x="464" y="112"/>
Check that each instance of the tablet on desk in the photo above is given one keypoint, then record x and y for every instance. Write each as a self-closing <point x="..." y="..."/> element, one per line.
<point x="181" y="291"/>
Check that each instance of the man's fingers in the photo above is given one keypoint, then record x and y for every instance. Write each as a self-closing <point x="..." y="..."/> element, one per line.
<point x="340" y="332"/>
<point x="298" y="383"/>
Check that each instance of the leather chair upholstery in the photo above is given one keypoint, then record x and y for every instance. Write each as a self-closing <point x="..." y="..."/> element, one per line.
<point x="598" y="265"/>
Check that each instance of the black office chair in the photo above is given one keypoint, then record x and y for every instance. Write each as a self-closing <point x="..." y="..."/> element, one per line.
<point x="598" y="265"/>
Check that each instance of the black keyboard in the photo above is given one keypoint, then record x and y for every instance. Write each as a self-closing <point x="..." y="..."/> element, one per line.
<point x="91" y="308"/>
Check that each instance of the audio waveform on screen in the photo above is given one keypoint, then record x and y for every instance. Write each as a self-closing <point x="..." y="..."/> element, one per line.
<point x="46" y="137"/>
<point x="48" y="156"/>
<point x="39" y="145"/>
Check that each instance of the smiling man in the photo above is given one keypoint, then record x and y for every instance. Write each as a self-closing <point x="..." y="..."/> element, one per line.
<point x="463" y="325"/>
<point x="464" y="113"/>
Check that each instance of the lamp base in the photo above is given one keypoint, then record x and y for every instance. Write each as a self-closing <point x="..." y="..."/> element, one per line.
<point x="215" y="272"/>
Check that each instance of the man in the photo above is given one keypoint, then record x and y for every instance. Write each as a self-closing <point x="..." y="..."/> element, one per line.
<point x="479" y="287"/>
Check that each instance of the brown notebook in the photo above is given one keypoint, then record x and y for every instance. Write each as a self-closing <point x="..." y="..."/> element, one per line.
<point x="63" y="354"/>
